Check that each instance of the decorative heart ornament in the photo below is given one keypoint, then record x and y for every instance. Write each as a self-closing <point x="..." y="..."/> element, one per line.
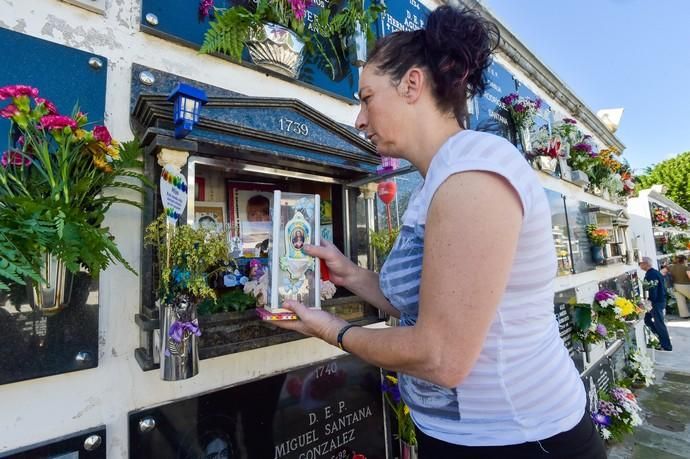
<point x="173" y="188"/>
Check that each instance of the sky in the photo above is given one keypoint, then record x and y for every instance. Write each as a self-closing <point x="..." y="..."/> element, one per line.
<point x="633" y="54"/>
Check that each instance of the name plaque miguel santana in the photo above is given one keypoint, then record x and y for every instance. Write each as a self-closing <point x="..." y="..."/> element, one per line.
<point x="331" y="410"/>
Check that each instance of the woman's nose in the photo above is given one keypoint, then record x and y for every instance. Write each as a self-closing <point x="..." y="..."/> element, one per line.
<point x="361" y="121"/>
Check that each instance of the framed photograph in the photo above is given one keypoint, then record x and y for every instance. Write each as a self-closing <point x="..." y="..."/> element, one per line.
<point x="209" y="215"/>
<point x="199" y="189"/>
<point x="249" y="207"/>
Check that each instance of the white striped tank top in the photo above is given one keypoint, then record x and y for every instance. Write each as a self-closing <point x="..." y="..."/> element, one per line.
<point x="524" y="385"/>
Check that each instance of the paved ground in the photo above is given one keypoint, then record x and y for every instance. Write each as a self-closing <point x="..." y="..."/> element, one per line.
<point x="666" y="431"/>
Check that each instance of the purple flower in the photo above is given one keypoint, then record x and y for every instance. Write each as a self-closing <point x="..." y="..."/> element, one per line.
<point x="604" y="295"/>
<point x="583" y="146"/>
<point x="569" y="121"/>
<point x="601" y="330"/>
<point x="601" y="420"/>
<point x="537" y="103"/>
<point x="607" y="408"/>
<point x="205" y="7"/>
<point x="392" y="390"/>
<point x="509" y="99"/>
<point x="520" y="107"/>
<point x="101" y="134"/>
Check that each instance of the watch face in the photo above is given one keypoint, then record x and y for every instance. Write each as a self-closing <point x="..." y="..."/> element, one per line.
<point x="328" y="410"/>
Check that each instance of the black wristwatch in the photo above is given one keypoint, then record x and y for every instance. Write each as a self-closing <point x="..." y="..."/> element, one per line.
<point x="341" y="334"/>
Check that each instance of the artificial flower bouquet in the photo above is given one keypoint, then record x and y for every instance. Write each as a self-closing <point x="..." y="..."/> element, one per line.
<point x="597" y="236"/>
<point x="522" y="110"/>
<point x="640" y="369"/>
<point x="617" y="413"/>
<point x="604" y="318"/>
<point x="391" y="392"/>
<point x="58" y="178"/>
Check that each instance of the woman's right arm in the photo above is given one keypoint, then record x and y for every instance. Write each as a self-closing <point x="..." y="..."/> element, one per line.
<point x="360" y="281"/>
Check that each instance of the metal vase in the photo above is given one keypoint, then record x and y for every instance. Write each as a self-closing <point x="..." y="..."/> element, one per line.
<point x="357" y="45"/>
<point x="179" y="359"/>
<point x="408" y="451"/>
<point x="277" y="48"/>
<point x="525" y="139"/>
<point x="55" y="293"/>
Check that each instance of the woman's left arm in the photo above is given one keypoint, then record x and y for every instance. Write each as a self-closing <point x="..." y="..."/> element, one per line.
<point x="471" y="235"/>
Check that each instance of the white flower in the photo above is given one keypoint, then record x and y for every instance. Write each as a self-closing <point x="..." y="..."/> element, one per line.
<point x="327" y="290"/>
<point x="617" y="310"/>
<point x="605" y="433"/>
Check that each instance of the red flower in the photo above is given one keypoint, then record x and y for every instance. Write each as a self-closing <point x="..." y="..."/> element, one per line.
<point x="101" y="134"/>
<point x="16" y="91"/>
<point x="14" y="158"/>
<point x="9" y="111"/>
<point x="52" y="109"/>
<point x="57" y="122"/>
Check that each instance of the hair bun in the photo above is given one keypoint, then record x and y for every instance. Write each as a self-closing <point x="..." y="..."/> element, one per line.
<point x="459" y="47"/>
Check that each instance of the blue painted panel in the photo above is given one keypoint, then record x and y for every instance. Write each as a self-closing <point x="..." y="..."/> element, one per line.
<point x="282" y="121"/>
<point x="402" y="15"/>
<point x="61" y="74"/>
<point x="282" y="151"/>
<point x="179" y="20"/>
<point x="488" y="113"/>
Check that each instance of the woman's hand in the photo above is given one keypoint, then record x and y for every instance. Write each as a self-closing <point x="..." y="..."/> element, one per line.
<point x="340" y="268"/>
<point x="312" y="322"/>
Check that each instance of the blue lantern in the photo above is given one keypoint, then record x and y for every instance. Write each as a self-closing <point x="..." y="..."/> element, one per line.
<point x="187" y="102"/>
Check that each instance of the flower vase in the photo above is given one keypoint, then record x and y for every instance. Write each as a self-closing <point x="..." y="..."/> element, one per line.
<point x="598" y="254"/>
<point x="408" y="451"/>
<point x="179" y="350"/>
<point x="277" y="48"/>
<point x="54" y="293"/>
<point x="524" y="137"/>
<point x="357" y="46"/>
<point x="547" y="164"/>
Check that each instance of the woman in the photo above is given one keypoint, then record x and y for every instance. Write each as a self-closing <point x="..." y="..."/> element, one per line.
<point x="482" y="366"/>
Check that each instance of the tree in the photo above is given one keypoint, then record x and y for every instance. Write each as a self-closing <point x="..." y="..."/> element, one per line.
<point x="675" y="174"/>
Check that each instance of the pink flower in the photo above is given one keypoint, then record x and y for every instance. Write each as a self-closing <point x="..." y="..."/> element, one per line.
<point x="299" y="8"/>
<point x="16" y="91"/>
<point x="52" y="109"/>
<point x="9" y="111"/>
<point x="205" y="7"/>
<point x="57" y="122"/>
<point x="14" y="158"/>
<point x="101" y="134"/>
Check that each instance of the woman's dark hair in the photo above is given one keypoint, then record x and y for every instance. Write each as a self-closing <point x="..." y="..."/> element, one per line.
<point x="455" y="48"/>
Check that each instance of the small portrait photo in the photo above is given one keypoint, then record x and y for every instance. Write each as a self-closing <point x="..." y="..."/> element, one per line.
<point x="209" y="215"/>
<point x="251" y="206"/>
<point x="297" y="238"/>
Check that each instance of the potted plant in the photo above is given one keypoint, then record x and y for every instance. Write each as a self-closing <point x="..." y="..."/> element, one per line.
<point x="522" y="111"/>
<point x="57" y="181"/>
<point x="188" y="258"/>
<point x="276" y="34"/>
<point x="406" y="430"/>
<point x="598" y="237"/>
<point x="546" y="150"/>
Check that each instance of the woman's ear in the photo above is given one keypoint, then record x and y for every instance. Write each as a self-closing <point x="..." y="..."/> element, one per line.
<point x="412" y="84"/>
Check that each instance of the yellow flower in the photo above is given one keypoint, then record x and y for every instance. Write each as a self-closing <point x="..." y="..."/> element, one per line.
<point x="392" y="379"/>
<point x="114" y="152"/>
<point x="406" y="410"/>
<point x="625" y="306"/>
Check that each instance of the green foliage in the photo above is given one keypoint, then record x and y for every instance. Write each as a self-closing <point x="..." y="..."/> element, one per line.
<point x="187" y="258"/>
<point x="675" y="174"/>
<point x="383" y="242"/>
<point x="235" y="300"/>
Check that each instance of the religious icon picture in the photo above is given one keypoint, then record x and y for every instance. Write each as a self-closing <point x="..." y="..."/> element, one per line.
<point x="209" y="215"/>
<point x="293" y="274"/>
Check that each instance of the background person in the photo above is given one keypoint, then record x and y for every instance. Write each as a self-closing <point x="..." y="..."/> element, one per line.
<point x="680" y="273"/>
<point x="654" y="319"/>
<point x="480" y="360"/>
